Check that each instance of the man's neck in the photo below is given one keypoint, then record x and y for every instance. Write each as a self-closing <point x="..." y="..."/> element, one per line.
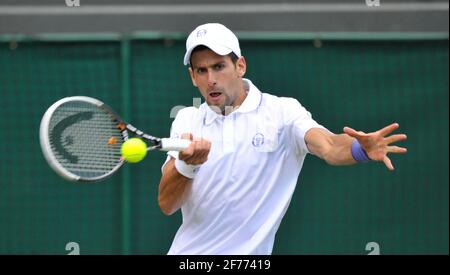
<point x="238" y="102"/>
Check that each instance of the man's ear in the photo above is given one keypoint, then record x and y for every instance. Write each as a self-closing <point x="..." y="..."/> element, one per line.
<point x="241" y="66"/>
<point x="191" y="73"/>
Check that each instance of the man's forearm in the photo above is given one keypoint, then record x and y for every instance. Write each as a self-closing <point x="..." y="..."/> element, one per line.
<point x="172" y="189"/>
<point x="334" y="149"/>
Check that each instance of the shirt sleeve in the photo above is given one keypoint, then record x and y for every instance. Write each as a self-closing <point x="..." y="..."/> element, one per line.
<point x="298" y="122"/>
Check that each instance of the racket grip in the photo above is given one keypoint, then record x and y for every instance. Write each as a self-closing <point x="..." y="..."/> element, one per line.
<point x="174" y="144"/>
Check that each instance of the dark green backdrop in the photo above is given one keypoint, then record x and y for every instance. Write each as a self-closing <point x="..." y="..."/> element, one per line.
<point x="362" y="83"/>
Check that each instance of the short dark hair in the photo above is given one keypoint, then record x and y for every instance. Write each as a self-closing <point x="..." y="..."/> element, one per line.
<point x="232" y="55"/>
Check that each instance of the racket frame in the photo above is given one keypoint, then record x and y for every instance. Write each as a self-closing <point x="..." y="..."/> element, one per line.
<point x="45" y="141"/>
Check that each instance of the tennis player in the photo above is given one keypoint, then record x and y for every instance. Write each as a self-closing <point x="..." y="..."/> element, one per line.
<point x="235" y="181"/>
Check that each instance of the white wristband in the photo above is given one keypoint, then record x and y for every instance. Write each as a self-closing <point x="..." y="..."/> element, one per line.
<point x="185" y="169"/>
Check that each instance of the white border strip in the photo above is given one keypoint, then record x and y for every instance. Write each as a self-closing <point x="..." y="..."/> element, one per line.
<point x="219" y="9"/>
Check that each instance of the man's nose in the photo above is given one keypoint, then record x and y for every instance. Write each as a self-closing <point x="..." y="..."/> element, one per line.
<point x="212" y="80"/>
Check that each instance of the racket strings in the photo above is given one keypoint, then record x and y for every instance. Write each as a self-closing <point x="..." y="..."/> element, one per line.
<point x="79" y="135"/>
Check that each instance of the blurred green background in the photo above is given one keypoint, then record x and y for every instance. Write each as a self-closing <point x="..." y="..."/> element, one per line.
<point x="343" y="81"/>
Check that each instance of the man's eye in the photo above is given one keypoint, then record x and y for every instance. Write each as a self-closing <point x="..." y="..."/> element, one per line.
<point x="219" y="66"/>
<point x="200" y="71"/>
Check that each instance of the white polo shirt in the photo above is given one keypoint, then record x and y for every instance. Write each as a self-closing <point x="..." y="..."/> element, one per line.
<point x="242" y="192"/>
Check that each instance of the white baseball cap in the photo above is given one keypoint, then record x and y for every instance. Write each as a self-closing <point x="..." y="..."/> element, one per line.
<point x="215" y="36"/>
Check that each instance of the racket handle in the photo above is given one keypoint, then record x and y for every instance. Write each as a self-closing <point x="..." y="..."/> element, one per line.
<point x="174" y="144"/>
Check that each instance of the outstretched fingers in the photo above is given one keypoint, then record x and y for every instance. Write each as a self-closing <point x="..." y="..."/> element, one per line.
<point x="388" y="163"/>
<point x="395" y="138"/>
<point x="388" y="129"/>
<point x="353" y="133"/>
<point x="396" y="150"/>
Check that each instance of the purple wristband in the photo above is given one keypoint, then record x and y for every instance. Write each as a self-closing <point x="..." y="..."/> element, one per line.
<point x="358" y="152"/>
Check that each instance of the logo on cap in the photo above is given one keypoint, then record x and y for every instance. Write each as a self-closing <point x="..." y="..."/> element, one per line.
<point x="201" y="33"/>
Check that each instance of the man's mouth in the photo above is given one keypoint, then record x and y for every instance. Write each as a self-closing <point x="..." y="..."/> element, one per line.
<point x="215" y="94"/>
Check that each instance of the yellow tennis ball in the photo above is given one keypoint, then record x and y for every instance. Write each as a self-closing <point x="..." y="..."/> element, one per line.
<point x="133" y="150"/>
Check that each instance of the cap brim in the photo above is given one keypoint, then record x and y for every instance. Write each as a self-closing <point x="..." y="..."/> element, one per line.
<point x="218" y="49"/>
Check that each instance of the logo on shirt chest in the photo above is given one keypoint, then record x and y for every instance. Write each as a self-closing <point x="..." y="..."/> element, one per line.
<point x="258" y="140"/>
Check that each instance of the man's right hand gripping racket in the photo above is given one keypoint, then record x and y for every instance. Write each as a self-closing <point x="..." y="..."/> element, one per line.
<point x="81" y="138"/>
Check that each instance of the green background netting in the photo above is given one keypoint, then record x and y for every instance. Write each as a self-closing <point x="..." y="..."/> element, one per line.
<point x="365" y="84"/>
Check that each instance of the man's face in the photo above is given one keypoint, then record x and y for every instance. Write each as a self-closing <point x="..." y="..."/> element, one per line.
<point x="218" y="79"/>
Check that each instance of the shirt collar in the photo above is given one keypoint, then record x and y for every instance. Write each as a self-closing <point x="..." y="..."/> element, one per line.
<point x="251" y="103"/>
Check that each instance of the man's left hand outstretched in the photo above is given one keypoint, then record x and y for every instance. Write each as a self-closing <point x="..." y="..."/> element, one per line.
<point x="377" y="144"/>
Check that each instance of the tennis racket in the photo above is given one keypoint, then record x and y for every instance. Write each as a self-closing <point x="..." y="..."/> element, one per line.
<point x="81" y="138"/>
